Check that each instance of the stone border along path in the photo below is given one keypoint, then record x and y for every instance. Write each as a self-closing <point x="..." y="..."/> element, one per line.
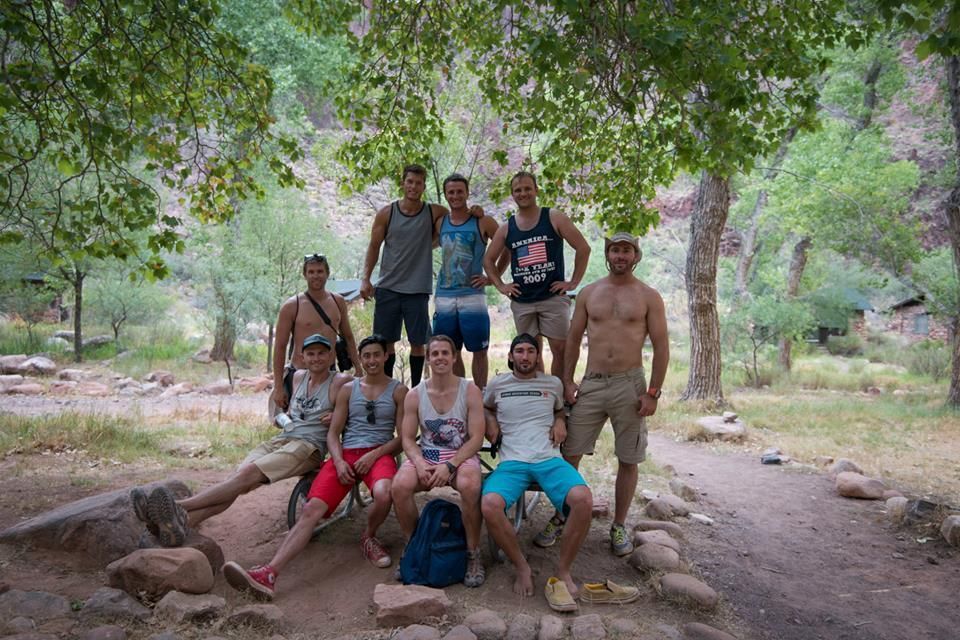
<point x="795" y="561"/>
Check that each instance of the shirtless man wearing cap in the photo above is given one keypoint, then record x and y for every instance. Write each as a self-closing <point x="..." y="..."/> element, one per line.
<point x="618" y="312"/>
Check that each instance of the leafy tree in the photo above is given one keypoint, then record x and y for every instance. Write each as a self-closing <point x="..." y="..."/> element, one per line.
<point x="119" y="295"/>
<point x="99" y="97"/>
<point x="25" y="290"/>
<point x="614" y="97"/>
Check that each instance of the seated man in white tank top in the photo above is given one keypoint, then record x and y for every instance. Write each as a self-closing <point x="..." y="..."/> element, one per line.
<point x="448" y="412"/>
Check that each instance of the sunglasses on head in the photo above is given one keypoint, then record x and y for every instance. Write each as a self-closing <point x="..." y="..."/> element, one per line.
<point x="314" y="257"/>
<point x="371" y="415"/>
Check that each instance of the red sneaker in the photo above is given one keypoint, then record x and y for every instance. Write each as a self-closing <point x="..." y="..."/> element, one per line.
<point x="258" y="581"/>
<point x="375" y="553"/>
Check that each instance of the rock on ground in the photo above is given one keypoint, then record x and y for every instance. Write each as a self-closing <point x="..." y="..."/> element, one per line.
<point x="551" y="628"/>
<point x="650" y="558"/>
<point x="844" y="464"/>
<point x="115" y="604"/>
<point x="653" y="525"/>
<point x="400" y="605"/>
<point x="106" y="632"/>
<point x="261" y="616"/>
<point x="718" y="427"/>
<point x="655" y="536"/>
<point x="25" y="389"/>
<point x="39" y="606"/>
<point x="897" y="509"/>
<point x="103" y="526"/>
<point x="950" y="530"/>
<point x="180" y="607"/>
<point x="417" y="632"/>
<point x="686" y="491"/>
<point x="11" y="363"/>
<point x="37" y="366"/>
<point x="460" y="632"/>
<point x="522" y="627"/>
<point x="677" y="504"/>
<point x="486" y="624"/>
<point x="159" y="571"/>
<point x="855" y="485"/>
<point x="203" y="544"/>
<point x="700" y="631"/>
<point x="588" y="627"/>
<point x="677" y="586"/>
<point x="658" y="509"/>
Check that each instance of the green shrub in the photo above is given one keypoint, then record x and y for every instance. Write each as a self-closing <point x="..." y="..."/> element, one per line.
<point x="928" y="358"/>
<point x="850" y="345"/>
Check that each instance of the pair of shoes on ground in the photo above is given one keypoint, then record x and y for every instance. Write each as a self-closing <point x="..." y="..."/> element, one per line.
<point x="166" y="520"/>
<point x="375" y="552"/>
<point x="620" y="542"/>
<point x="609" y="592"/>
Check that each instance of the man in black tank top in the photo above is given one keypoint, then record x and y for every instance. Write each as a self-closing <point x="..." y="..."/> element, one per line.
<point x="534" y="238"/>
<point x="299" y="449"/>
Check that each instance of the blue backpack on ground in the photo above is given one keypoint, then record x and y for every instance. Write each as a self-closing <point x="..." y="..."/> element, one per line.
<point x="436" y="555"/>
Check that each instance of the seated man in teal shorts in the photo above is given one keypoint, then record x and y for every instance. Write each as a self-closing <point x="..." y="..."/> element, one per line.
<point x="525" y="407"/>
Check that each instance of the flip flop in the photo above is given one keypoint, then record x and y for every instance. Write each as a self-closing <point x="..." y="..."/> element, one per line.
<point x="608" y="592"/>
<point x="558" y="596"/>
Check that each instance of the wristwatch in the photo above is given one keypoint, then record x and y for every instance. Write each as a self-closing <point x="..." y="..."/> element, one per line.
<point x="452" y="468"/>
<point x="654" y="392"/>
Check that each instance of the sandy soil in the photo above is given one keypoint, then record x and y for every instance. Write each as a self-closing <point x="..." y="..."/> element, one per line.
<point x="790" y="559"/>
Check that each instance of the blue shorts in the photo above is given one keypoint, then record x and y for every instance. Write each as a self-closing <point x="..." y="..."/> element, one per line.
<point x="464" y="319"/>
<point x="555" y="476"/>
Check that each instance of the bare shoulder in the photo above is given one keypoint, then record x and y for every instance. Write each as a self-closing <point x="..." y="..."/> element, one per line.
<point x="400" y="392"/>
<point x="438" y="211"/>
<point x="489" y="226"/>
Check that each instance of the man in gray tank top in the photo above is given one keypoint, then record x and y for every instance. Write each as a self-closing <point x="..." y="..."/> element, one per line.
<point x="447" y="410"/>
<point x="405" y="228"/>
<point x="300" y="449"/>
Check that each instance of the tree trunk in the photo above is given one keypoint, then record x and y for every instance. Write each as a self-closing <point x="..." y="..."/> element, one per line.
<point x="953" y="222"/>
<point x="77" y="315"/>
<point x="270" y="348"/>
<point x="224" y="338"/>
<point x="706" y="225"/>
<point x="749" y="247"/>
<point x="797" y="264"/>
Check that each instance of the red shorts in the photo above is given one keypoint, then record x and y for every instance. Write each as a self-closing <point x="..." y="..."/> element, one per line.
<point x="327" y="487"/>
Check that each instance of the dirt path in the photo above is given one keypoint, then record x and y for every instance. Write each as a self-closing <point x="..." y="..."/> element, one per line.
<point x="795" y="561"/>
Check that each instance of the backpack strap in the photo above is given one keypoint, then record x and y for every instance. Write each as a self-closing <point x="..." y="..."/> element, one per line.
<point x="321" y="312"/>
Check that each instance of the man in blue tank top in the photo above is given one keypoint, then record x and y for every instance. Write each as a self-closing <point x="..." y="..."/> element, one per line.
<point x="534" y="238"/>
<point x="461" y="305"/>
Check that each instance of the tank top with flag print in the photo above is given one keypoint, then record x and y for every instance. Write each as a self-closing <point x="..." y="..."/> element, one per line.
<point x="536" y="258"/>
<point x="440" y="432"/>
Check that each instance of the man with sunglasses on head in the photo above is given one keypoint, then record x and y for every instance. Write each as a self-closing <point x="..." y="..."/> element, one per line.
<point x="366" y="414"/>
<point x="299" y="317"/>
<point x="299" y="449"/>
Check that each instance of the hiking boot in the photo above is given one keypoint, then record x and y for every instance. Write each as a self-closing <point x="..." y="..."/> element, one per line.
<point x="169" y="518"/>
<point x="141" y="508"/>
<point x="475" y="573"/>
<point x="551" y="533"/>
<point x="258" y="581"/>
<point x="374" y="552"/>
<point x="620" y="541"/>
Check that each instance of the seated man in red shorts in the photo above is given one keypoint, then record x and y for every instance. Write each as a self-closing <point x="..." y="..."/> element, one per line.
<point x="367" y="412"/>
<point x="448" y="412"/>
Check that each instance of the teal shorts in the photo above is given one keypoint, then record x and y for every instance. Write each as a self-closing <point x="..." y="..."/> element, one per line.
<point x="555" y="476"/>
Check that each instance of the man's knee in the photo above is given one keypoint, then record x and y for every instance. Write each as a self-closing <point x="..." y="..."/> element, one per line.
<point x="404" y="484"/>
<point x="492" y="506"/>
<point x="556" y="345"/>
<point x="250" y="477"/>
<point x="626" y="467"/>
<point x="382" y="490"/>
<point x="580" y="499"/>
<point x="313" y="511"/>
<point x="468" y="485"/>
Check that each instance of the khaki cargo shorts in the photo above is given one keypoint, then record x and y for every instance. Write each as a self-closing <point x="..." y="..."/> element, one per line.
<point x="614" y="396"/>
<point x="280" y="458"/>
<point x="550" y="317"/>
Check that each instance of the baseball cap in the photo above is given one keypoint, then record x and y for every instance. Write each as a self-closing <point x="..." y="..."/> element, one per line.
<point x="316" y="338"/>
<point x="523" y="338"/>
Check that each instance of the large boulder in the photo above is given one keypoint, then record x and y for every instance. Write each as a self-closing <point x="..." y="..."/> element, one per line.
<point x="37" y="366"/>
<point x="156" y="572"/>
<point x="651" y="558"/>
<point x="11" y="363"/>
<point x="203" y="544"/>
<point x="688" y="590"/>
<point x="10" y="380"/>
<point x="25" y="389"/>
<point x="855" y="485"/>
<point x="401" y="605"/>
<point x="660" y="537"/>
<point x="486" y="624"/>
<point x="102" y="526"/>
<point x="843" y="465"/>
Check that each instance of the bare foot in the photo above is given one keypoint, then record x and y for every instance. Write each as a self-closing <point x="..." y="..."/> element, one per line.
<point x="571" y="585"/>
<point x="523" y="585"/>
